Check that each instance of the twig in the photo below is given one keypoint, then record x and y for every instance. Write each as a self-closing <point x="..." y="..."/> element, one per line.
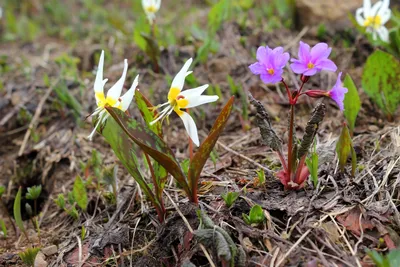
<point x="245" y="158"/>
<point x="190" y="228"/>
<point x="35" y="118"/>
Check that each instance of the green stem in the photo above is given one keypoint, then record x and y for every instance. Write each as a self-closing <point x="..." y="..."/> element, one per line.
<point x="3" y="206"/>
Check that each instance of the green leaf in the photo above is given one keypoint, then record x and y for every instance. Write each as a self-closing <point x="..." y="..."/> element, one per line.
<point x="230" y="198"/>
<point x="29" y="255"/>
<point x="17" y="212"/>
<point x="151" y="144"/>
<point x="352" y="103"/>
<point x="344" y="148"/>
<point x="394" y="257"/>
<point x="380" y="81"/>
<point x="60" y="201"/>
<point x="79" y="192"/>
<point x="256" y="214"/>
<point x="202" y="154"/>
<point x="141" y="25"/>
<point x="2" y="190"/>
<point x="34" y="192"/>
<point x="3" y="228"/>
<point x="126" y="151"/>
<point x="312" y="165"/>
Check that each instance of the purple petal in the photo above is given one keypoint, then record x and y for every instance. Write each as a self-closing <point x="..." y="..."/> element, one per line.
<point x="257" y="68"/>
<point x="337" y="93"/>
<point x="262" y="54"/>
<point x="310" y="72"/>
<point x="304" y="52"/>
<point x="281" y="60"/>
<point x="326" y="64"/>
<point x="298" y="67"/>
<point x="267" y="78"/>
<point x="319" y="51"/>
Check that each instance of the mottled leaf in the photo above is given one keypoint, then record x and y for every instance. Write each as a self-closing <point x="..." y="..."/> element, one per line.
<point x="79" y="192"/>
<point x="149" y="114"/>
<point x="151" y="144"/>
<point x="202" y="154"/>
<point x="125" y="151"/>
<point x="352" y="103"/>
<point x="380" y="81"/>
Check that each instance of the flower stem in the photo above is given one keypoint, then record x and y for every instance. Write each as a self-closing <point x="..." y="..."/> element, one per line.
<point x="282" y="159"/>
<point x="160" y="209"/>
<point x="287" y="90"/>
<point x="290" y="143"/>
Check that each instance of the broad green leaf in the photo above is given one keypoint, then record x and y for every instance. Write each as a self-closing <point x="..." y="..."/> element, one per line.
<point x="148" y="115"/>
<point x="344" y="148"/>
<point x="202" y="154"/>
<point x="312" y="165"/>
<point x="125" y="150"/>
<point x="256" y="214"/>
<point x="79" y="192"/>
<point x="380" y="81"/>
<point x="394" y="257"/>
<point x="141" y="25"/>
<point x="151" y="144"/>
<point x="230" y="198"/>
<point x="17" y="212"/>
<point x="352" y="103"/>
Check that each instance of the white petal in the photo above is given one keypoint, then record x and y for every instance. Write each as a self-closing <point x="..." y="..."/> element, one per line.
<point x="194" y="92"/>
<point x="190" y="127"/>
<point x="367" y="7"/>
<point x="374" y="10"/>
<point x="203" y="99"/>
<point x="374" y="35"/>
<point x="144" y="3"/>
<point x="360" y="20"/>
<point x="386" y="16"/>
<point x="98" y="82"/>
<point x="116" y="89"/>
<point x="158" y="4"/>
<point x="126" y="99"/>
<point x="162" y="114"/>
<point x="383" y="34"/>
<point x="179" y="79"/>
<point x="101" y="119"/>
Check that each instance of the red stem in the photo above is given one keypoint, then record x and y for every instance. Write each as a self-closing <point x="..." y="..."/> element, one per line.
<point x="290" y="143"/>
<point x="299" y="169"/>
<point x="160" y="209"/>
<point x="287" y="91"/>
<point x="282" y="159"/>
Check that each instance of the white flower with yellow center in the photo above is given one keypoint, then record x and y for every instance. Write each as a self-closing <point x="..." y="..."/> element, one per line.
<point x="113" y="98"/>
<point x="150" y="8"/>
<point x="178" y="100"/>
<point x="374" y="18"/>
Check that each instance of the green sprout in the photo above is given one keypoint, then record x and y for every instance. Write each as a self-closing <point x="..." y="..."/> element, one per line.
<point x="28" y="256"/>
<point x="230" y="198"/>
<point x="33" y="194"/>
<point x="256" y="216"/>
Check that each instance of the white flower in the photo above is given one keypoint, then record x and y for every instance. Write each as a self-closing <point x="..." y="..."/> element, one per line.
<point x="178" y="100"/>
<point x="151" y="7"/>
<point x="113" y="98"/>
<point x="374" y="18"/>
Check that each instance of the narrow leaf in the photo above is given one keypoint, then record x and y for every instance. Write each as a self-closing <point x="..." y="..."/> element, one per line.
<point x="352" y="103"/>
<point x="344" y="148"/>
<point x="380" y="81"/>
<point x="17" y="211"/>
<point x="269" y="137"/>
<point x="79" y="192"/>
<point x="151" y="144"/>
<point x="202" y="154"/>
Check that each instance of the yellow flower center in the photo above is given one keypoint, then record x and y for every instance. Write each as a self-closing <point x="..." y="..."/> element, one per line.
<point x="177" y="101"/>
<point x="373" y="22"/>
<point x="310" y="65"/>
<point x="103" y="101"/>
<point x="271" y="71"/>
<point x="151" y="9"/>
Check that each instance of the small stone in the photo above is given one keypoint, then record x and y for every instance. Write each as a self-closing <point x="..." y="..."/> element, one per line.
<point x="40" y="260"/>
<point x="50" y="250"/>
<point x="331" y="13"/>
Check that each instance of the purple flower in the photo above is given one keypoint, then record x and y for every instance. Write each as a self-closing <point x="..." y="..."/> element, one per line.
<point x="337" y="92"/>
<point x="311" y="62"/>
<point x="270" y="64"/>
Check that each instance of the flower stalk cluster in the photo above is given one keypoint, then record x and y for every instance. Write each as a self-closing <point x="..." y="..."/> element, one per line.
<point x="310" y="61"/>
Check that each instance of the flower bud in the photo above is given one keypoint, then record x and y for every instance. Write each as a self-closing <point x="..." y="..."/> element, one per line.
<point x="316" y="93"/>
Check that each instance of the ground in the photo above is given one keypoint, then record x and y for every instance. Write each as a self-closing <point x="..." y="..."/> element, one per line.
<point x="43" y="140"/>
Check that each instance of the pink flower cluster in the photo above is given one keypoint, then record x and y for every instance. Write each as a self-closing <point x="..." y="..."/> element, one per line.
<point x="311" y="61"/>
